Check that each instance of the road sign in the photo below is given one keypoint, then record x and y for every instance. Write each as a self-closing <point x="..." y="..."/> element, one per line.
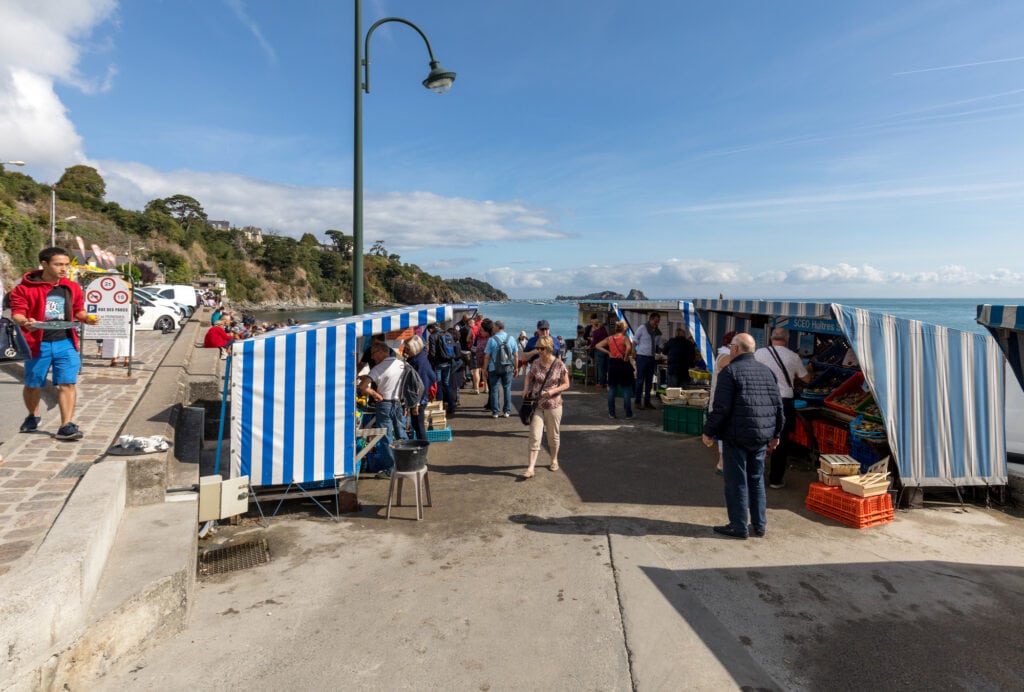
<point x="109" y="297"/>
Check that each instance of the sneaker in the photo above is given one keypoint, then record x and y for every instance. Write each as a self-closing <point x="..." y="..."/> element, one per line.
<point x="69" y="432"/>
<point x="757" y="533"/>
<point x="494" y="415"/>
<point x="776" y="486"/>
<point x="506" y="414"/>
<point x="612" y="416"/>
<point x="30" y="423"/>
<point x="383" y="475"/>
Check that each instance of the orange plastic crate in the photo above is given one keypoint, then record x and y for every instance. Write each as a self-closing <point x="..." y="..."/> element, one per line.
<point x="831" y="439"/>
<point x="863" y="522"/>
<point x="800" y="434"/>
<point x="858" y="512"/>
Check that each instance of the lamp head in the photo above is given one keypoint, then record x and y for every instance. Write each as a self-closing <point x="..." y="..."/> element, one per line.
<point x="438" y="81"/>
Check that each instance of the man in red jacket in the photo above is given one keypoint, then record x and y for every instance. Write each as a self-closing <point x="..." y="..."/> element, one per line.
<point x="47" y="295"/>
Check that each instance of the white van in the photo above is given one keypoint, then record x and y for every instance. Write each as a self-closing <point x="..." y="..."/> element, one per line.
<point x="179" y="293"/>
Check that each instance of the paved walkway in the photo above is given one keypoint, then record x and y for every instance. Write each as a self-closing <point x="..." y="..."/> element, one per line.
<point x="39" y="472"/>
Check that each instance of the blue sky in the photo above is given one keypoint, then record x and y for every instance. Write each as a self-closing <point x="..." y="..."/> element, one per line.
<point x="750" y="148"/>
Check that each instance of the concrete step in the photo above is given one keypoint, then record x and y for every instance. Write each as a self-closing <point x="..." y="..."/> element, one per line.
<point x="143" y="594"/>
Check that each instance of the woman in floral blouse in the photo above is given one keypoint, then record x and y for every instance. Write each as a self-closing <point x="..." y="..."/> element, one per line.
<point x="546" y="380"/>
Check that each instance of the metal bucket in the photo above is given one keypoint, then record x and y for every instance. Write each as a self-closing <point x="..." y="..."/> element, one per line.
<point x="410" y="455"/>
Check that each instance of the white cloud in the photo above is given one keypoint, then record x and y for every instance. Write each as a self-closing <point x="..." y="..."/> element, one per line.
<point x="695" y="278"/>
<point x="406" y="221"/>
<point x="34" y="126"/>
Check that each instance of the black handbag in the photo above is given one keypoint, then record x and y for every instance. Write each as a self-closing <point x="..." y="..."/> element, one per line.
<point x="12" y="342"/>
<point x="529" y="405"/>
<point x="527" y="409"/>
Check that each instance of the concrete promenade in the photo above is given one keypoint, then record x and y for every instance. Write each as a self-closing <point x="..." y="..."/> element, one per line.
<point x="39" y="472"/>
<point x="604" y="575"/>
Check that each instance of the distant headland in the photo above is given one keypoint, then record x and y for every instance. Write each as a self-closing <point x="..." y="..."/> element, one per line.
<point x="634" y="294"/>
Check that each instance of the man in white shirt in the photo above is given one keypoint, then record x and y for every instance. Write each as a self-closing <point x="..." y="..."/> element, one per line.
<point x="788" y="367"/>
<point x="386" y="374"/>
<point x="647" y="340"/>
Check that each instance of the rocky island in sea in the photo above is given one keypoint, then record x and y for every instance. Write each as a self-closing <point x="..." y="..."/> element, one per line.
<point x="634" y="294"/>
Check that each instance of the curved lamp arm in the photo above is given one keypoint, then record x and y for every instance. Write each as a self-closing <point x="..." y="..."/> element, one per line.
<point x="438" y="80"/>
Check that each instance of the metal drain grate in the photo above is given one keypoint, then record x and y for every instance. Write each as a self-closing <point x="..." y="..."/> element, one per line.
<point x="234" y="557"/>
<point x="74" y="470"/>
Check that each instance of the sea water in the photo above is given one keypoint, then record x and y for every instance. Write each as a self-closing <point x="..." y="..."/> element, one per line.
<point x="522" y="315"/>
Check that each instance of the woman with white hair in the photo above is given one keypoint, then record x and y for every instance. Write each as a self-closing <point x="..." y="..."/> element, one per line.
<point x="416" y="356"/>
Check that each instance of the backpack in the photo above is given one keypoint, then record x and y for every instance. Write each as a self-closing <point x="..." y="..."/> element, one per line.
<point x="410" y="388"/>
<point x="503" y="359"/>
<point x="447" y="344"/>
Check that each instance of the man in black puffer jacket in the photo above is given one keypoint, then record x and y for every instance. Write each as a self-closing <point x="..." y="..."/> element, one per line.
<point x="747" y="417"/>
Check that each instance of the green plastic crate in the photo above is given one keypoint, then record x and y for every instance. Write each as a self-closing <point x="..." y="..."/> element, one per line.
<point x="688" y="420"/>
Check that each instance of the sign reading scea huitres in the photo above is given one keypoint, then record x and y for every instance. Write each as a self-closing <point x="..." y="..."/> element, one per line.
<point x="109" y="298"/>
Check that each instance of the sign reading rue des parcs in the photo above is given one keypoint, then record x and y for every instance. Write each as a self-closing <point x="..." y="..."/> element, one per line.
<point x="110" y="299"/>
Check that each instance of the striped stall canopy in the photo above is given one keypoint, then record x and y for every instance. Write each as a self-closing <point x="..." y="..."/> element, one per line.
<point x="1006" y="323"/>
<point x="755" y="317"/>
<point x="940" y="393"/>
<point x="675" y="313"/>
<point x="293" y="409"/>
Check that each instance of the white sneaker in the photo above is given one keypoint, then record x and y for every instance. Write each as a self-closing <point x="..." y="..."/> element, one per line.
<point x="776" y="486"/>
<point x="505" y="415"/>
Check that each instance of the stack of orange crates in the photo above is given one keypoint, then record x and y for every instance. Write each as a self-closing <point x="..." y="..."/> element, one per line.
<point x="859" y="512"/>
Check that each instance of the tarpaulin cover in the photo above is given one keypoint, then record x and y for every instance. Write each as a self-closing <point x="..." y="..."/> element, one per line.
<point x="1006" y="323"/>
<point x="939" y="390"/>
<point x="293" y="390"/>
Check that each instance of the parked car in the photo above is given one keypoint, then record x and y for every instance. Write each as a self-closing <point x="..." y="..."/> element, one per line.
<point x="179" y="293"/>
<point x="185" y="310"/>
<point x="156" y="316"/>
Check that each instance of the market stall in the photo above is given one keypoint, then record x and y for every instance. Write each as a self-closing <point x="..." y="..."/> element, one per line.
<point x="1006" y="323"/>
<point x="293" y="395"/>
<point x="937" y="392"/>
<point x="675" y="313"/>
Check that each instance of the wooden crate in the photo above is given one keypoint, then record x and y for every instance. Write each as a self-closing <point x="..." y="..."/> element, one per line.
<point x="839" y="465"/>
<point x="867" y="485"/>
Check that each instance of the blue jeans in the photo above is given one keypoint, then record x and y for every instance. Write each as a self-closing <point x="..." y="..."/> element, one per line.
<point x="626" y="396"/>
<point x="602" y="367"/>
<point x="418" y="422"/>
<point x="645" y="367"/>
<point x="444" y="379"/>
<point x="743" y="470"/>
<point x="505" y="379"/>
<point x="389" y="416"/>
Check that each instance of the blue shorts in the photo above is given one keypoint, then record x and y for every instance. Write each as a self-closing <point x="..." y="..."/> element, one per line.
<point x="64" y="358"/>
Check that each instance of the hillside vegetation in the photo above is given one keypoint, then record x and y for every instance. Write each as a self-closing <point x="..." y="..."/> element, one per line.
<point x="173" y="235"/>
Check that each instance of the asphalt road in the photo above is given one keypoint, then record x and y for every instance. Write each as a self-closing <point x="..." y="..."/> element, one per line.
<point x="602" y="576"/>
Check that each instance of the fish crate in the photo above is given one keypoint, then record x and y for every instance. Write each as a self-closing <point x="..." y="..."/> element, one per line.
<point x="825" y="383"/>
<point x="869" y="409"/>
<point x="868" y="452"/>
<point x="848" y="396"/>
<point x="444" y="435"/>
<point x="435" y="406"/>
<point x="831" y="439"/>
<point x="688" y="420"/>
<point x="857" y="512"/>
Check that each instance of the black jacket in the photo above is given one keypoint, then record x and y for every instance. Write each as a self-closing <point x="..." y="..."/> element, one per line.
<point x="748" y="411"/>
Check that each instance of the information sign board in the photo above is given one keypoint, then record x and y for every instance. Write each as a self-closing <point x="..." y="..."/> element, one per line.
<point x="110" y="298"/>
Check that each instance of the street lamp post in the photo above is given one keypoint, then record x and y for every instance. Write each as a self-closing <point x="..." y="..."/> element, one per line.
<point x="438" y="81"/>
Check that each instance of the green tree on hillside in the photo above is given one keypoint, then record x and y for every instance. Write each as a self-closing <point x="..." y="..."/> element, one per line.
<point x="81" y="182"/>
<point x="342" y="241"/>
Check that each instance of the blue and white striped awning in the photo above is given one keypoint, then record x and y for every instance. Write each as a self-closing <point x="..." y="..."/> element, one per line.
<point x="1006" y="323"/>
<point x="940" y="393"/>
<point x="635" y="313"/>
<point x="293" y="391"/>
<point x="940" y="390"/>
